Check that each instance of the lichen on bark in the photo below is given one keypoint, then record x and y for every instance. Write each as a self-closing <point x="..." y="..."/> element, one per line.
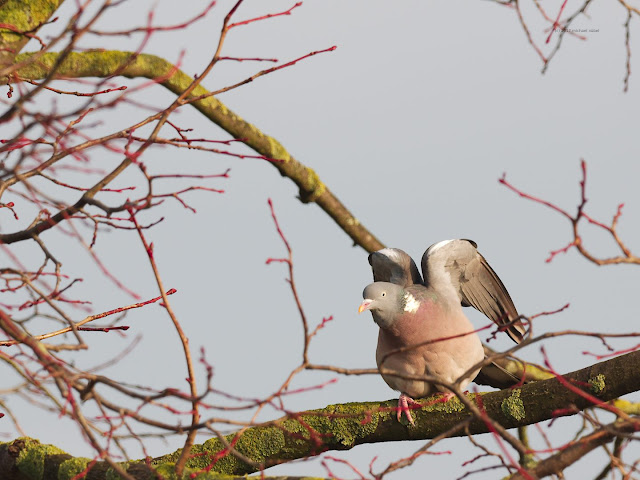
<point x="513" y="406"/>
<point x="24" y="17"/>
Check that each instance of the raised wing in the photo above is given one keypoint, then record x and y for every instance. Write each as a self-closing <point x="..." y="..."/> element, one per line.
<point x="394" y="266"/>
<point x="477" y="285"/>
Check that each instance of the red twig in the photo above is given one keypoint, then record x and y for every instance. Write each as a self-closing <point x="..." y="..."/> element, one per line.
<point x="612" y="354"/>
<point x="551" y="312"/>
<point x="265" y="17"/>
<point x="555" y="22"/>
<point x="577" y="242"/>
<point x="249" y="59"/>
<point x="152" y="28"/>
<point x="10" y="206"/>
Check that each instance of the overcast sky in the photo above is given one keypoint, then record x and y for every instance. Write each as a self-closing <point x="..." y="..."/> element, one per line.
<point x="411" y="121"/>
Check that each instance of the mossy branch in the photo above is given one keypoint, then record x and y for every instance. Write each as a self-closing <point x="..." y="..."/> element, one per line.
<point x="341" y="427"/>
<point x="20" y="20"/>
<point x="28" y="459"/>
<point x="109" y="63"/>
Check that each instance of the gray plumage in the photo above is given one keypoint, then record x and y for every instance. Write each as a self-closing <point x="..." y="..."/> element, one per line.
<point x="458" y="262"/>
<point x="418" y="318"/>
<point x="395" y="266"/>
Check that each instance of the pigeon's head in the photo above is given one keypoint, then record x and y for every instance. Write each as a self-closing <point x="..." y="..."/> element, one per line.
<point x="384" y="301"/>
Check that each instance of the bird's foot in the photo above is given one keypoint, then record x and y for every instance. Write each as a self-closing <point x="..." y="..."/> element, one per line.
<point x="403" y="407"/>
<point x="440" y="397"/>
<point x="445" y="397"/>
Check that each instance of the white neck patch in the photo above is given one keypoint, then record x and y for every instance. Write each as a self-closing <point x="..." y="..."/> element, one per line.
<point x="411" y="304"/>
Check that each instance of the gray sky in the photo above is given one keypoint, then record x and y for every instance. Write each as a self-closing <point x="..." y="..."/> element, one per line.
<point x="410" y="121"/>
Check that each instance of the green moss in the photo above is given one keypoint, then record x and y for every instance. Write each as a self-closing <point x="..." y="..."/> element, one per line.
<point x="25" y="16"/>
<point x="101" y="63"/>
<point x="164" y="470"/>
<point x="202" y="456"/>
<point x="257" y="444"/>
<point x="299" y="434"/>
<point x="314" y="186"/>
<point x="261" y="443"/>
<point x="597" y="384"/>
<point x="290" y="438"/>
<point x="30" y="461"/>
<point x="72" y="467"/>
<point x="345" y="423"/>
<point x="435" y="404"/>
<point x="512" y="406"/>
<point x="352" y="421"/>
<point x="277" y="150"/>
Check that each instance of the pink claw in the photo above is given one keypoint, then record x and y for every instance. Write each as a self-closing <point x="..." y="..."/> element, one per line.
<point x="446" y="397"/>
<point x="403" y="407"/>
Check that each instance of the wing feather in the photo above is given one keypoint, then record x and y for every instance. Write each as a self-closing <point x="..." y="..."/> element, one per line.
<point x="394" y="266"/>
<point x="459" y="263"/>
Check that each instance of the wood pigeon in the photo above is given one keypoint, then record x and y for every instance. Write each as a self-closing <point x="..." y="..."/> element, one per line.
<point x="423" y="329"/>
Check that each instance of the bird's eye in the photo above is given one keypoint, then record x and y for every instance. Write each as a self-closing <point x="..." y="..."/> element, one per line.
<point x="384" y="294"/>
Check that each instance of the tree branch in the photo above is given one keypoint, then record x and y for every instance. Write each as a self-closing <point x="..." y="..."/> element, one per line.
<point x="19" y="20"/>
<point x="108" y="63"/>
<point x="555" y="464"/>
<point x="341" y="427"/>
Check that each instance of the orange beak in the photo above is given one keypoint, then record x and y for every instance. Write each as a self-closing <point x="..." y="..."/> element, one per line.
<point x="365" y="305"/>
